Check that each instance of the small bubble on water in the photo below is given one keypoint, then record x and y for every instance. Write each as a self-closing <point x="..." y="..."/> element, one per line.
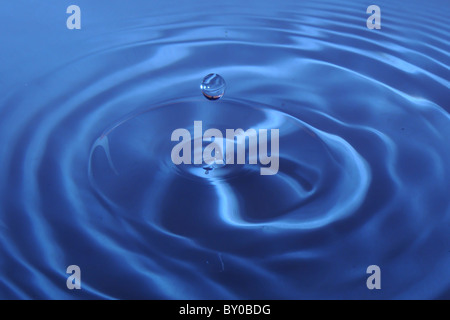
<point x="213" y="86"/>
<point x="211" y="167"/>
<point x="214" y="165"/>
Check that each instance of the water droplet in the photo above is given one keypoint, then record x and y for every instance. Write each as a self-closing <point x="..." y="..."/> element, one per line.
<point x="212" y="166"/>
<point x="213" y="86"/>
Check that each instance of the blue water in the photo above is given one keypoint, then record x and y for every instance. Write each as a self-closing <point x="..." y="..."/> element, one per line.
<point x="86" y="177"/>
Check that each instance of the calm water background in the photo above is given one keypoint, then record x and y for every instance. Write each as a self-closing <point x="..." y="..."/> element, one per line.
<point x="86" y="177"/>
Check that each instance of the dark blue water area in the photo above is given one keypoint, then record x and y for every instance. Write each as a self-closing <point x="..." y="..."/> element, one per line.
<point x="87" y="178"/>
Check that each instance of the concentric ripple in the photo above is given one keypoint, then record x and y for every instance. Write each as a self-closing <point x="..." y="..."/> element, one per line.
<point x="364" y="171"/>
<point x="321" y="177"/>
